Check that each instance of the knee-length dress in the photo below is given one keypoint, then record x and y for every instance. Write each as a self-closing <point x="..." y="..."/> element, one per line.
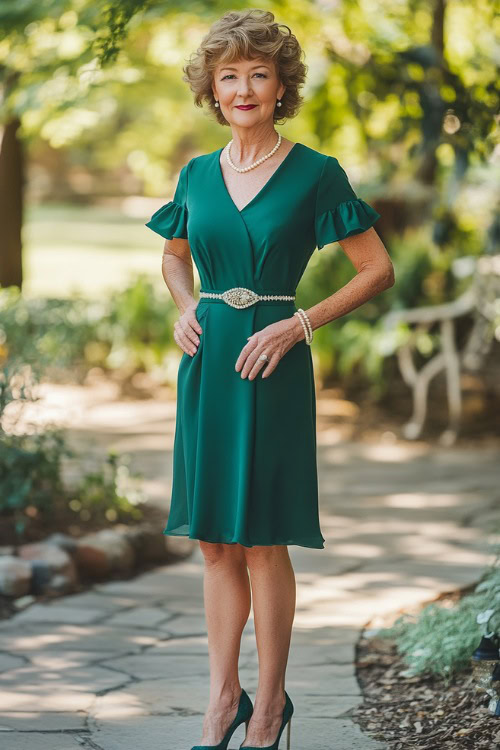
<point x="244" y="463"/>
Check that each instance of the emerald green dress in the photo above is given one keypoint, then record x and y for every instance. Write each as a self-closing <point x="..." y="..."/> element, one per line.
<point x="244" y="464"/>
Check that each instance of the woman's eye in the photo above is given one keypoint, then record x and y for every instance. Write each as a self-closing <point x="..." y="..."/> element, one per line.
<point x="228" y="75"/>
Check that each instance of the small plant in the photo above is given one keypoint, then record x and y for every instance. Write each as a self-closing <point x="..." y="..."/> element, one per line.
<point x="111" y="494"/>
<point x="441" y="639"/>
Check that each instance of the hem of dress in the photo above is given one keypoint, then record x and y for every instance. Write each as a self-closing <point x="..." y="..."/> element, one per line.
<point x="311" y="545"/>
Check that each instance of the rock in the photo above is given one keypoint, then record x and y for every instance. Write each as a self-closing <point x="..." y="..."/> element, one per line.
<point x="143" y="539"/>
<point x="15" y="576"/>
<point x="24" y="601"/>
<point x="150" y="543"/>
<point x="106" y="551"/>
<point x="61" y="584"/>
<point x="40" y="576"/>
<point x="92" y="561"/>
<point x="58" y="561"/>
<point x="65" y="542"/>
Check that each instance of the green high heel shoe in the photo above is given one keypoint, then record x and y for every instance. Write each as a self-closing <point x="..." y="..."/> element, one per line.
<point x="245" y="711"/>
<point x="287" y="719"/>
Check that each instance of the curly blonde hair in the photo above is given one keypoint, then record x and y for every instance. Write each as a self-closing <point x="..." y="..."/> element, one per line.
<point x="248" y="34"/>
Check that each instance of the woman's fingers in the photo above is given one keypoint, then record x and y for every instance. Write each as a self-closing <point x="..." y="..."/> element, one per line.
<point x="253" y="365"/>
<point x="185" y="336"/>
<point x="183" y="341"/>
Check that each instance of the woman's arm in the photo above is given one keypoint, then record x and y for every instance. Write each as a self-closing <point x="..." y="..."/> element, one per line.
<point x="177" y="271"/>
<point x="375" y="273"/>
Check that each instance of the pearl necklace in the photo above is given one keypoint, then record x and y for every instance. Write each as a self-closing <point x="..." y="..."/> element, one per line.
<point x="256" y="163"/>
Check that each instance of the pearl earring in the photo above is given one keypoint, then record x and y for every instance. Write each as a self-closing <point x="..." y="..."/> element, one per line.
<point x="216" y="103"/>
<point x="278" y="103"/>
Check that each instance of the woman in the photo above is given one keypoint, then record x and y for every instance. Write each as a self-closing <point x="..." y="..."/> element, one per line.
<point x="245" y="477"/>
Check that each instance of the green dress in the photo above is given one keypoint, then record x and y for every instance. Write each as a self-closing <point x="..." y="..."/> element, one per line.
<point x="244" y="464"/>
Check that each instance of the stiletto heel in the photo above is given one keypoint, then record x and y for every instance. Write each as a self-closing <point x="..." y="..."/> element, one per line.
<point x="245" y="711"/>
<point x="287" y="719"/>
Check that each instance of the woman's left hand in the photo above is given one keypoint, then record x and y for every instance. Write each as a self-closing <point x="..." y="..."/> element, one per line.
<point x="274" y="340"/>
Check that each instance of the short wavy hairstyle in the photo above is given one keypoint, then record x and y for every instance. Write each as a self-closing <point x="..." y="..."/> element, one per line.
<point x="247" y="35"/>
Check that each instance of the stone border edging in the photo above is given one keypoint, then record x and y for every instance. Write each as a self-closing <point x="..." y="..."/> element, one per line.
<point x="60" y="563"/>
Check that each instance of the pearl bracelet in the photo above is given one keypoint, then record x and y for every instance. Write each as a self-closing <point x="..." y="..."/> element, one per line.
<point x="306" y="325"/>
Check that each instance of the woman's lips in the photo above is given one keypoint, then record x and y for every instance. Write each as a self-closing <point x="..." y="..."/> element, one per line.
<point x="245" y="106"/>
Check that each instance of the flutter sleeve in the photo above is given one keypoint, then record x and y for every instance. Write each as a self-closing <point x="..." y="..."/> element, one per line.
<point x="171" y="219"/>
<point x="339" y="212"/>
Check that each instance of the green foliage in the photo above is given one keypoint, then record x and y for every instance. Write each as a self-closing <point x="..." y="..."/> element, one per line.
<point x="131" y="329"/>
<point x="30" y="473"/>
<point x="109" y="494"/>
<point x="441" y="639"/>
<point x="33" y="335"/>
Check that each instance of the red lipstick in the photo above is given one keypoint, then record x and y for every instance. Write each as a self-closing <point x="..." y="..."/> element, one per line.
<point x="245" y="106"/>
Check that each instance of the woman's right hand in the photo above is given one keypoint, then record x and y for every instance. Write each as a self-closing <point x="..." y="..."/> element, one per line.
<point x="186" y="330"/>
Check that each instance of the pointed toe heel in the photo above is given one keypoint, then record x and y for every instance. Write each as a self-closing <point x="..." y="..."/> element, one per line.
<point x="287" y="719"/>
<point x="244" y="713"/>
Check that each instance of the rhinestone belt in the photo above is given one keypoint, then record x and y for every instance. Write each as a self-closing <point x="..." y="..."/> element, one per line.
<point x="241" y="297"/>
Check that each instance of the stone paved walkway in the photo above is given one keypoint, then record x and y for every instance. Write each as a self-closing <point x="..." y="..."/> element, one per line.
<point x="125" y="664"/>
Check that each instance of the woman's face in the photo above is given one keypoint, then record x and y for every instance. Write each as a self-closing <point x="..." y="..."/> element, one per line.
<point x="247" y="82"/>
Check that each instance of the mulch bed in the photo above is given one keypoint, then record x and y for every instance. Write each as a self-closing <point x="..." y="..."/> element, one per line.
<point x="420" y="712"/>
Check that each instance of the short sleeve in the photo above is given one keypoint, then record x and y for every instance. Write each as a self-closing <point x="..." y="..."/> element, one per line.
<point x="339" y="212"/>
<point x="171" y="219"/>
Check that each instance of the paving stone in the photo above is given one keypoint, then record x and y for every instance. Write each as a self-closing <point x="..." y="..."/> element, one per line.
<point x="99" y="601"/>
<point x="95" y="638"/>
<point x="57" y="613"/>
<point x="185" y="625"/>
<point x="198" y="644"/>
<point x="33" y="689"/>
<point x="328" y="734"/>
<point x="56" y="659"/>
<point x="139" y="617"/>
<point x="38" y="741"/>
<point x="50" y="721"/>
<point x="310" y="655"/>
<point x="162" y="732"/>
<point x="8" y="661"/>
<point x="159" y="696"/>
<point x="146" y="666"/>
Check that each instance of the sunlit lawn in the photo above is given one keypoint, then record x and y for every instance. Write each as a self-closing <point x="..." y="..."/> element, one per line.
<point x="89" y="250"/>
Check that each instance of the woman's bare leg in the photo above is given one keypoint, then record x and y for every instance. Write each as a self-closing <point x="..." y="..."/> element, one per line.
<point x="227" y="598"/>
<point x="273" y="589"/>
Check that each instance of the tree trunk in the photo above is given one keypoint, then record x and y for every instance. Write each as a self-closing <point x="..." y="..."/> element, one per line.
<point x="11" y="205"/>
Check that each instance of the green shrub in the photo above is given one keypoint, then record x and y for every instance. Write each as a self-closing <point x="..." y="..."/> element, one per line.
<point x="109" y="494"/>
<point x="30" y="474"/>
<point x="441" y="639"/>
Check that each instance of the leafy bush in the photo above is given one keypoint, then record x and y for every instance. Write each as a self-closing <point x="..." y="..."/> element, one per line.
<point x="441" y="639"/>
<point x="111" y="494"/>
<point x="131" y="331"/>
<point x="30" y="474"/>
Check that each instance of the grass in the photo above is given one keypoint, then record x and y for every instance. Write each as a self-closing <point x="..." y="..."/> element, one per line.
<point x="89" y="250"/>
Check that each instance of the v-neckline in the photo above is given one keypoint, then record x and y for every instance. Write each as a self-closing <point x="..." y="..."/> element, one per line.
<point x="264" y="186"/>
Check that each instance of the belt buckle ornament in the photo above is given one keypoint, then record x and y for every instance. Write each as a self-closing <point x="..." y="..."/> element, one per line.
<point x="240" y="297"/>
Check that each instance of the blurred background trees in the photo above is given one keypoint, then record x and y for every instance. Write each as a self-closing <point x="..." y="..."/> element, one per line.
<point x="96" y="123"/>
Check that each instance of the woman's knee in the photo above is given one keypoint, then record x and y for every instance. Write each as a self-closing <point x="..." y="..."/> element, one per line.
<point x="216" y="552"/>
